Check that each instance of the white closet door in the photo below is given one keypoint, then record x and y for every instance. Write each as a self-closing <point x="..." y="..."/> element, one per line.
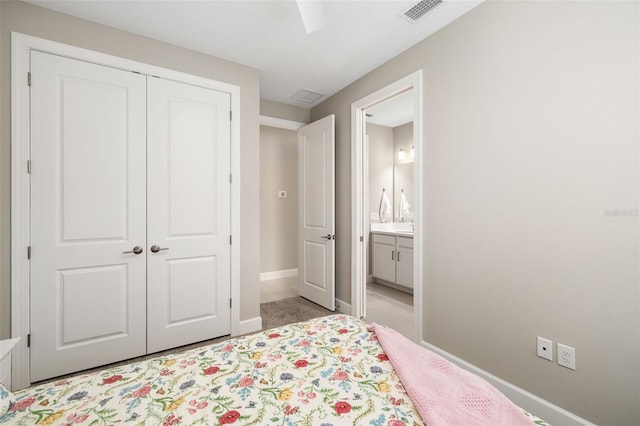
<point x="88" y="210"/>
<point x="188" y="214"/>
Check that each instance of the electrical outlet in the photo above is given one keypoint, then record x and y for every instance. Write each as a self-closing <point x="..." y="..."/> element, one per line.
<point x="545" y="348"/>
<point x="566" y="356"/>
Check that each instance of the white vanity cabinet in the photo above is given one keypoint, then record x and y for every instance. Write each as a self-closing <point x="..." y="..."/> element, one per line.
<point x="383" y="259"/>
<point x="404" y="261"/>
<point x="392" y="259"/>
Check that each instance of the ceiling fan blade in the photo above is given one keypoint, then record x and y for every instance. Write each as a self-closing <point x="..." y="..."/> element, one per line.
<point x="312" y="12"/>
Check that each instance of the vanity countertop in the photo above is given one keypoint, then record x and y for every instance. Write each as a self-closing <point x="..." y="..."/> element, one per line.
<point x="408" y="234"/>
<point x="402" y="229"/>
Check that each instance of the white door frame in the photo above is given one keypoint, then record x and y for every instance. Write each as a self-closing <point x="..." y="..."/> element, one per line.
<point x="21" y="46"/>
<point x="280" y="123"/>
<point x="359" y="214"/>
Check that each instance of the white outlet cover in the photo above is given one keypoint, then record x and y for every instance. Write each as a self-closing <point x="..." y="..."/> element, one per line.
<point x="566" y="356"/>
<point x="544" y="348"/>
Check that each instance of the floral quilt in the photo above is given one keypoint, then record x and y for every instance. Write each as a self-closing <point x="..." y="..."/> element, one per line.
<point x="326" y="371"/>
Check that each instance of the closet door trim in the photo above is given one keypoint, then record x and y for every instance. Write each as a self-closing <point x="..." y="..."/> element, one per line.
<point x="21" y="47"/>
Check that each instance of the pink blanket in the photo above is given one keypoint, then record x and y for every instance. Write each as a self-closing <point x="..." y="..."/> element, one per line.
<point x="443" y="393"/>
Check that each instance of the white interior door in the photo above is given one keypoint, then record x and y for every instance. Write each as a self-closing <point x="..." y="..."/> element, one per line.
<point x="316" y="165"/>
<point x="88" y="159"/>
<point x="189" y="220"/>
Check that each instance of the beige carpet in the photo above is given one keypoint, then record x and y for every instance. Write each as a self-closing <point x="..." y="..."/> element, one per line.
<point x="289" y="311"/>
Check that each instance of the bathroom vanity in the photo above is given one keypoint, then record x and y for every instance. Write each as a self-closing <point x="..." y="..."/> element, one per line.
<point x="392" y="256"/>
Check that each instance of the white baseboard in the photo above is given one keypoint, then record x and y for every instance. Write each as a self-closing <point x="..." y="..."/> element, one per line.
<point x="274" y="275"/>
<point x="249" y="326"/>
<point x="343" y="307"/>
<point x="534" y="404"/>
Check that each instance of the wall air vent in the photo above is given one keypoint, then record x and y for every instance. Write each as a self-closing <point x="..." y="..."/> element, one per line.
<point x="307" y="96"/>
<point x="419" y="10"/>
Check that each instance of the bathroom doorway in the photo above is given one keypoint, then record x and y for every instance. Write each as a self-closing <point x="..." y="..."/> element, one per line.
<point x="387" y="181"/>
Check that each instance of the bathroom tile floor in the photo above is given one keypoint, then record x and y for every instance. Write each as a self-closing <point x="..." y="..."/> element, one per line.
<point x="391" y="307"/>
<point x="385" y="305"/>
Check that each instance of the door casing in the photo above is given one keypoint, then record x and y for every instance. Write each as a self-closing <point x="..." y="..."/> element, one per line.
<point x="21" y="47"/>
<point x="359" y="191"/>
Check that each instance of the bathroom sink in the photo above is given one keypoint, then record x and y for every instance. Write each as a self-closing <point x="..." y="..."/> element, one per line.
<point x="405" y="232"/>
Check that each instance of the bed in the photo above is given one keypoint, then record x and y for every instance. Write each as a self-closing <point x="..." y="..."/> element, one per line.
<point x="327" y="371"/>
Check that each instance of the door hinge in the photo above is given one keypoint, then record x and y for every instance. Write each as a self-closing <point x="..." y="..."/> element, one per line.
<point x="29" y="166"/>
<point x="361" y="238"/>
<point x="230" y="115"/>
<point x="29" y="252"/>
<point x="230" y="303"/>
<point x="230" y="240"/>
<point x="29" y="79"/>
<point x="29" y="340"/>
<point x="230" y="178"/>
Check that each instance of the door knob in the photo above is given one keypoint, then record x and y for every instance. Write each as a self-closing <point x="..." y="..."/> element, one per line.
<point x="136" y="250"/>
<point x="156" y="248"/>
<point x="326" y="237"/>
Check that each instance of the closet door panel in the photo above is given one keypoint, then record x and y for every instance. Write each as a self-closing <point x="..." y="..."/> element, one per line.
<point x="88" y="137"/>
<point x="188" y="214"/>
<point x="191" y="194"/>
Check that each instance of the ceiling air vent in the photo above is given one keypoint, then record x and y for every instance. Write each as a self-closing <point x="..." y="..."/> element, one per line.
<point x="419" y="10"/>
<point x="308" y="96"/>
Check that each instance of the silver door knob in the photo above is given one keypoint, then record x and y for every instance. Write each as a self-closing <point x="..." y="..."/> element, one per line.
<point x="136" y="250"/>
<point x="156" y="248"/>
<point x="326" y="237"/>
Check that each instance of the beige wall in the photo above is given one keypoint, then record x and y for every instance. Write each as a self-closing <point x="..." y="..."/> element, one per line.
<point x="380" y="164"/>
<point x="278" y="216"/>
<point x="286" y="112"/>
<point x="531" y="145"/>
<point x="40" y="22"/>
<point x="279" y="170"/>
<point x="402" y="138"/>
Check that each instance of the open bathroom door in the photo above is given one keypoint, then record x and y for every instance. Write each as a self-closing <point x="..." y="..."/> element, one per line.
<point x="316" y="213"/>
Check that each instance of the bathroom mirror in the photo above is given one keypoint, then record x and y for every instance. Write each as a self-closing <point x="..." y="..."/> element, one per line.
<point x="403" y="184"/>
<point x="403" y="208"/>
